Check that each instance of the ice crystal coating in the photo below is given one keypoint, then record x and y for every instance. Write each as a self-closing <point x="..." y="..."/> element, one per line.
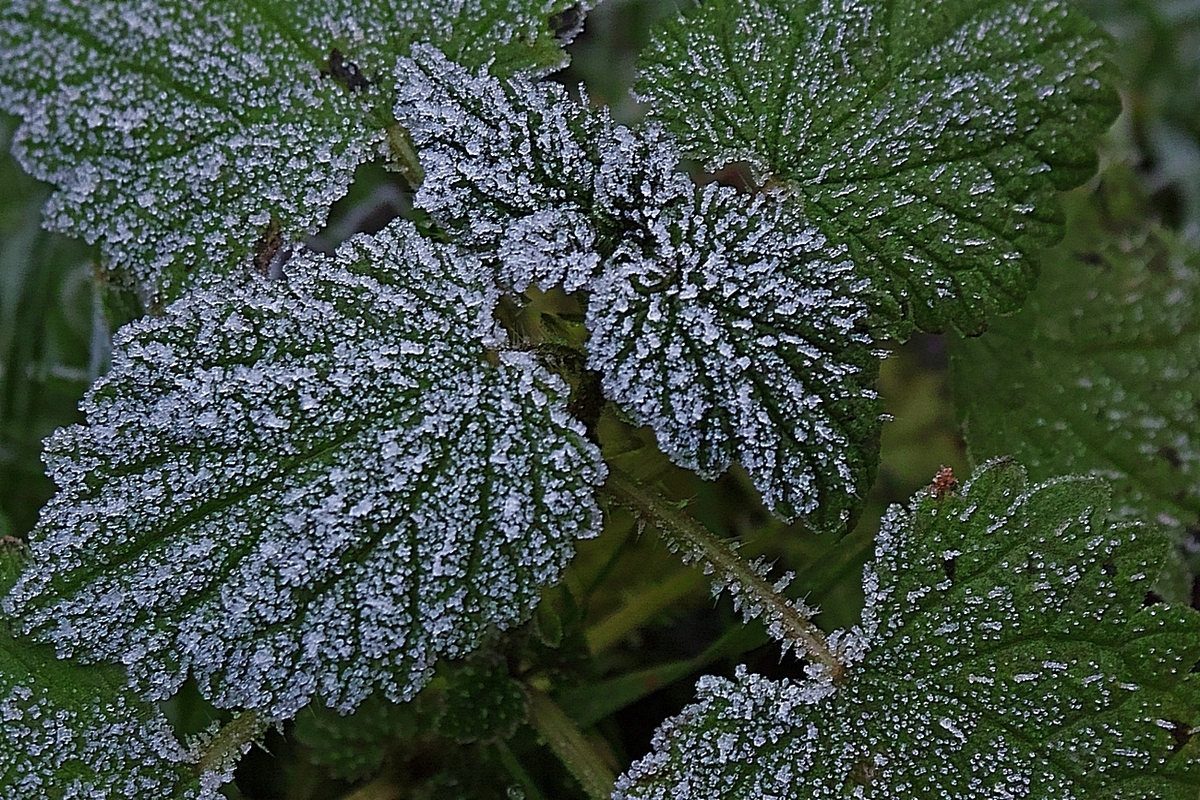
<point x="75" y="733"/>
<point x="733" y="332"/>
<point x="1007" y="654"/>
<point x="520" y="167"/>
<point x="930" y="137"/>
<point x="718" y="320"/>
<point x="1099" y="372"/>
<point x="176" y="134"/>
<point x="509" y="166"/>
<point x="310" y="488"/>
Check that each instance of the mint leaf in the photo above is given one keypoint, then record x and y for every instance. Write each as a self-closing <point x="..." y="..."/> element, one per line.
<point x="75" y="733"/>
<point x="928" y="138"/>
<point x="1098" y="372"/>
<point x="296" y="489"/>
<point x="734" y="333"/>
<point x="1004" y="652"/>
<point x="199" y="137"/>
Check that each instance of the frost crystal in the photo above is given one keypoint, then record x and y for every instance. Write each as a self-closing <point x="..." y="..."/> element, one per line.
<point x="74" y="733"/>
<point x="1099" y="370"/>
<point x="719" y="320"/>
<point x="931" y="137"/>
<point x="1030" y="669"/>
<point x="177" y="133"/>
<point x="504" y="161"/>
<point x="310" y="488"/>
<point x="733" y="332"/>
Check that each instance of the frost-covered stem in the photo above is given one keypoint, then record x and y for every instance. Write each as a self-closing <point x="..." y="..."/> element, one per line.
<point x="400" y="147"/>
<point x="641" y="608"/>
<point x="697" y="543"/>
<point x="570" y="745"/>
<point x="230" y="742"/>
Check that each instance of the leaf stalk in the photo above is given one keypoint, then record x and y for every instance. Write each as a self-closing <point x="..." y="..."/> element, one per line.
<point x="697" y="544"/>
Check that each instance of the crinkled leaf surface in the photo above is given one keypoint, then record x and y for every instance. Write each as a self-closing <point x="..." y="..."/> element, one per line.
<point x="177" y="134"/>
<point x="510" y="168"/>
<point x="1007" y="655"/>
<point x="76" y="733"/>
<point x="734" y="335"/>
<point x="1099" y="373"/>
<point x="310" y="487"/>
<point x="718" y="320"/>
<point x="929" y="137"/>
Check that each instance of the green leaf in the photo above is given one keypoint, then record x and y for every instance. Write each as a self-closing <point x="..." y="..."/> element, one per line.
<point x="928" y="137"/>
<point x="72" y="732"/>
<point x="201" y="137"/>
<point x="311" y="487"/>
<point x="719" y="321"/>
<point x="1004" y="651"/>
<point x="1098" y="373"/>
<point x="736" y="335"/>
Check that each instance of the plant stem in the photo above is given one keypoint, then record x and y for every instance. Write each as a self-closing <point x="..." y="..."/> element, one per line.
<point x="404" y="155"/>
<point x="226" y="747"/>
<point x="569" y="744"/>
<point x="641" y="607"/>
<point x="382" y="788"/>
<point x="697" y="543"/>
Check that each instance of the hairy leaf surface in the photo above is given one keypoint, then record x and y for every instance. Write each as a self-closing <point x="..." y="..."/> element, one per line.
<point x="192" y="137"/>
<point x="76" y="733"/>
<point x="733" y="333"/>
<point x="1006" y="653"/>
<point x="719" y="321"/>
<point x="311" y="487"/>
<point x="928" y="137"/>
<point x="1098" y="373"/>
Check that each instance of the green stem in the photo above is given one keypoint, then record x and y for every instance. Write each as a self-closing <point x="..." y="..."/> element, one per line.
<point x="570" y="745"/>
<point x="400" y="146"/>
<point x="226" y="747"/>
<point x="697" y="543"/>
<point x="382" y="788"/>
<point x="641" y="608"/>
<point x="518" y="772"/>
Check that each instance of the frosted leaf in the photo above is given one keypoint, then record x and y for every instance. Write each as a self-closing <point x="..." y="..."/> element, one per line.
<point x="930" y="137"/>
<point x="519" y="169"/>
<point x="1006" y="654"/>
<point x="311" y="488"/>
<point x="502" y="159"/>
<point x="74" y="733"/>
<point x="733" y="333"/>
<point x="550" y="247"/>
<point x="183" y="136"/>
<point x="1099" y="372"/>
<point x="727" y="326"/>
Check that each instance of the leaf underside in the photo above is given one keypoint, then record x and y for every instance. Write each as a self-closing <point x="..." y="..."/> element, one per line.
<point x="1008" y="655"/>
<point x="187" y="138"/>
<point x="292" y="489"/>
<point x="1099" y="372"/>
<point x="929" y="138"/>
<point x="715" y="318"/>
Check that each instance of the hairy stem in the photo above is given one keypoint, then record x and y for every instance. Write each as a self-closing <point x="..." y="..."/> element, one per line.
<point x="228" y="744"/>
<point x="570" y="745"/>
<point x="404" y="155"/>
<point x="697" y="543"/>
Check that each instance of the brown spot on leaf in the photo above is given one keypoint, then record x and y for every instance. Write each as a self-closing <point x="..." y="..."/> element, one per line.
<point x="944" y="483"/>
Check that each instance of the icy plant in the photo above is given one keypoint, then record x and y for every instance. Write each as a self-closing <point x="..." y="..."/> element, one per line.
<point x="344" y="481"/>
